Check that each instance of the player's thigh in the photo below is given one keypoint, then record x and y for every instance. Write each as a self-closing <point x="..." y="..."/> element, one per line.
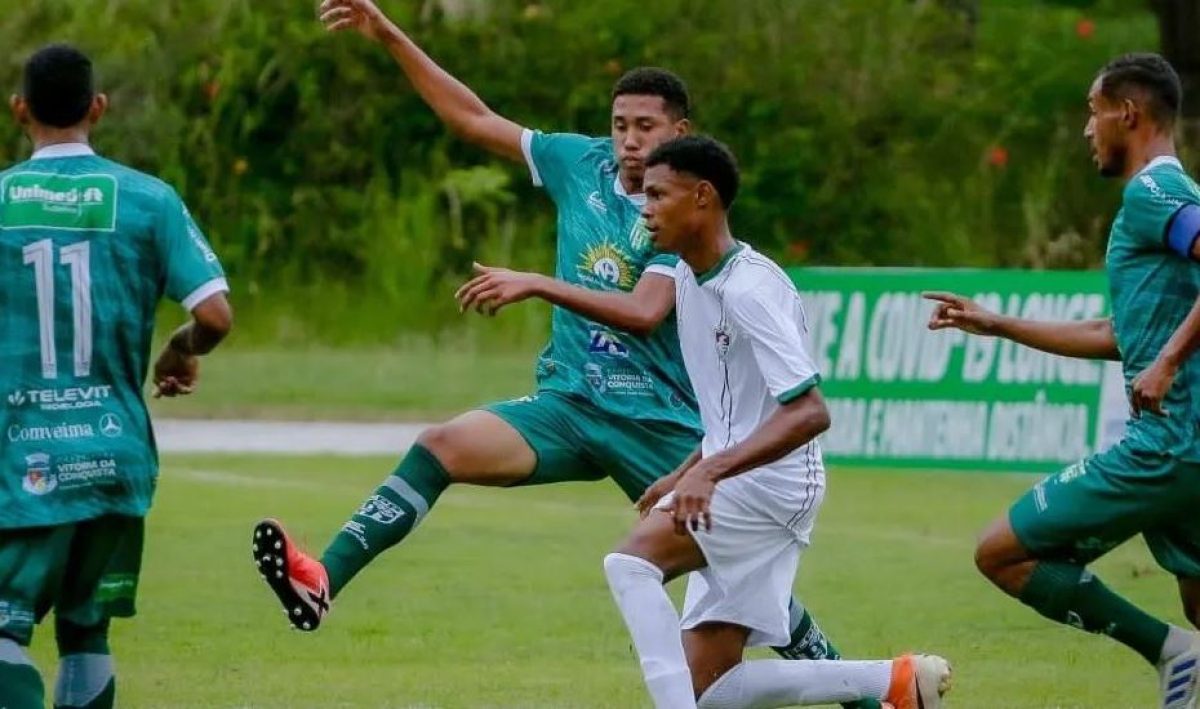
<point x="32" y="564"/>
<point x="636" y="453"/>
<point x="654" y="539"/>
<point x="550" y="427"/>
<point x="712" y="649"/>
<point x="101" y="581"/>
<point x="480" y="447"/>
<point x="1095" y="505"/>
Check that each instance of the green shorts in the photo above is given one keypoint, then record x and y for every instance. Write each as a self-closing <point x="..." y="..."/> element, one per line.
<point x="86" y="571"/>
<point x="575" y="441"/>
<point x="1095" y="505"/>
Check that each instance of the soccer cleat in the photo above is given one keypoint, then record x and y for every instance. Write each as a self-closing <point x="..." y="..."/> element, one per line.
<point x="1179" y="678"/>
<point x="298" y="580"/>
<point x="918" y="682"/>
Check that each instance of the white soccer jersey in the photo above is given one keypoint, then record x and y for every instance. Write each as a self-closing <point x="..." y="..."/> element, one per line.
<point x="741" y="326"/>
<point x="743" y="335"/>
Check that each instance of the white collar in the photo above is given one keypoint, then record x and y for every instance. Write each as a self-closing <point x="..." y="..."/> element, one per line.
<point x="1162" y="160"/>
<point x="639" y="199"/>
<point x="63" y="150"/>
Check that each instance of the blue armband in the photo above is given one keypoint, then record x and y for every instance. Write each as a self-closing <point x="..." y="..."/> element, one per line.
<point x="1183" y="229"/>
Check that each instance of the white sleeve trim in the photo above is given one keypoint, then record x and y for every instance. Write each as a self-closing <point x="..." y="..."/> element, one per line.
<point x="527" y="150"/>
<point x="661" y="270"/>
<point x="201" y="294"/>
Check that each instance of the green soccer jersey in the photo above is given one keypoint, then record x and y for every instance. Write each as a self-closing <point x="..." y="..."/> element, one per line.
<point x="1152" y="289"/>
<point x="603" y="244"/>
<point x="87" y="249"/>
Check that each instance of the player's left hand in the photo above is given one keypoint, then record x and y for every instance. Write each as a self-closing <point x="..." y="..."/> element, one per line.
<point x="175" y="374"/>
<point x="494" y="288"/>
<point x="693" y="496"/>
<point x="1150" y="388"/>
<point x="656" y="492"/>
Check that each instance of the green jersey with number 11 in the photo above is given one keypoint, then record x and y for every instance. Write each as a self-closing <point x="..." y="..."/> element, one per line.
<point x="87" y="249"/>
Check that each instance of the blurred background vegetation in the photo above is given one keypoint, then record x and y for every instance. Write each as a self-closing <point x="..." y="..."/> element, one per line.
<point x="870" y="132"/>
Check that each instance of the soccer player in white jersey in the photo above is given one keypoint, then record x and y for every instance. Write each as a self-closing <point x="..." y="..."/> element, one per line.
<point x="742" y="511"/>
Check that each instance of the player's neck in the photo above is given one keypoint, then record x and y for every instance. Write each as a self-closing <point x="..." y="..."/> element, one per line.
<point x="1140" y="156"/>
<point x="710" y="249"/>
<point x="45" y="137"/>
<point x="630" y="185"/>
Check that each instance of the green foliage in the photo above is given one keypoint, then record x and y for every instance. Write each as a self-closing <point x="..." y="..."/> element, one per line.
<point x="897" y="132"/>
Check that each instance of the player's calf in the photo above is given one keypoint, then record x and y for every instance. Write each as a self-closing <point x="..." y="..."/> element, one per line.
<point x="86" y="679"/>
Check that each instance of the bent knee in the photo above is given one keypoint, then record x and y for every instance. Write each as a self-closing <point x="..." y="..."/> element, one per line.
<point x="444" y="441"/>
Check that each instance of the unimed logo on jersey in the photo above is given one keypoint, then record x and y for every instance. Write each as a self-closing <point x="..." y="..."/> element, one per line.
<point x="35" y="200"/>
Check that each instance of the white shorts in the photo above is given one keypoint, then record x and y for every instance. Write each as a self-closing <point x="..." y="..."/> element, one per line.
<point x="758" y="531"/>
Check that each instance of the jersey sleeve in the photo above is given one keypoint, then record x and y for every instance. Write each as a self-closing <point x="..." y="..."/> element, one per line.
<point x="1151" y="206"/>
<point x="769" y="317"/>
<point x="663" y="264"/>
<point x="551" y="156"/>
<point x="191" y="269"/>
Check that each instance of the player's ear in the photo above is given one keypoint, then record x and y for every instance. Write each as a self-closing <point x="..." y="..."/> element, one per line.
<point x="683" y="126"/>
<point x="1130" y="113"/>
<point x="705" y="194"/>
<point x="20" y="110"/>
<point x="98" y="109"/>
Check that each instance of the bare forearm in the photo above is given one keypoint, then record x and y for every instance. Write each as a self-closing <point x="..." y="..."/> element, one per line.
<point x="1185" y="341"/>
<point x="783" y="433"/>
<point x="194" y="339"/>
<point x="620" y="310"/>
<point x="691" y="460"/>
<point x="1083" y="339"/>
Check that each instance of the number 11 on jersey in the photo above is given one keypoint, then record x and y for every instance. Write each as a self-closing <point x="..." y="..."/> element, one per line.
<point x="77" y="257"/>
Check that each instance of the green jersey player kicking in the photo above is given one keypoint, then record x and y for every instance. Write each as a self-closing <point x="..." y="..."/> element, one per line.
<point x="87" y="249"/>
<point x="612" y="398"/>
<point x="1149" y="482"/>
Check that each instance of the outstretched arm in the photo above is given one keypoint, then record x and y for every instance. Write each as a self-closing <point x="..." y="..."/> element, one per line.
<point x="1083" y="339"/>
<point x="453" y="102"/>
<point x="638" y="312"/>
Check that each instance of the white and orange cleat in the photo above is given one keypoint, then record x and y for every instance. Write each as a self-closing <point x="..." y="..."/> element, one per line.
<point x="918" y="682"/>
<point x="298" y="580"/>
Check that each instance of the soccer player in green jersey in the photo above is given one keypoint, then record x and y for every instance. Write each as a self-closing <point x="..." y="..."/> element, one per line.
<point x="88" y="247"/>
<point x="1149" y="482"/>
<point x="612" y="398"/>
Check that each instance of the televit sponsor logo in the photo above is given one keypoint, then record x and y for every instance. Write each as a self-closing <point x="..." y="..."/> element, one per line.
<point x="69" y="399"/>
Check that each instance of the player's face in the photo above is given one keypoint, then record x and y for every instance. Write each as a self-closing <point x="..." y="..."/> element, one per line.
<point x="1106" y="131"/>
<point x="672" y="208"/>
<point x="639" y="125"/>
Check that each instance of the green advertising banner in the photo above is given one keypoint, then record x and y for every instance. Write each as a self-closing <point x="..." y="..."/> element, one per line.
<point x="903" y="396"/>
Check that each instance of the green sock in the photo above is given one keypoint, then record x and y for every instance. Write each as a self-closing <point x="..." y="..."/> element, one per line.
<point x="1070" y="594"/>
<point x="20" y="683"/>
<point x="808" y="642"/>
<point x="387" y="517"/>
<point x="85" y="667"/>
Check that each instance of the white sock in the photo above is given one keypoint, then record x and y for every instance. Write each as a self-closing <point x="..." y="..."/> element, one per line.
<point x="81" y="678"/>
<point x="765" y="684"/>
<point x="637" y="587"/>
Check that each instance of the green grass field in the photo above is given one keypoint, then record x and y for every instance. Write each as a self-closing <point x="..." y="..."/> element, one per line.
<point x="414" y="382"/>
<point x="499" y="600"/>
